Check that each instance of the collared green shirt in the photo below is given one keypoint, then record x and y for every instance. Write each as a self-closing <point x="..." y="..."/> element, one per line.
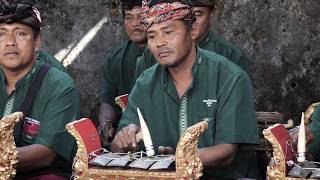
<point x="48" y="58"/>
<point x="118" y="69"/>
<point x="57" y="103"/>
<point x="220" y="91"/>
<point x="314" y="146"/>
<point x="211" y="43"/>
<point x="216" y="44"/>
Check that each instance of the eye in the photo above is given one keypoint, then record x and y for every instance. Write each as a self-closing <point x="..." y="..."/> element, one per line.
<point x="151" y="37"/>
<point x="198" y="14"/>
<point x="2" y="34"/>
<point x="20" y="33"/>
<point x="129" y="18"/>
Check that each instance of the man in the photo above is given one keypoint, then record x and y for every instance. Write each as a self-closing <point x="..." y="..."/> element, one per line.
<point x="119" y="69"/>
<point x="45" y="148"/>
<point x="206" y="39"/>
<point x="313" y="129"/>
<point x="188" y="85"/>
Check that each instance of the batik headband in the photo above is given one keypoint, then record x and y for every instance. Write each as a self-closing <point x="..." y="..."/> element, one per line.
<point x="165" y="11"/>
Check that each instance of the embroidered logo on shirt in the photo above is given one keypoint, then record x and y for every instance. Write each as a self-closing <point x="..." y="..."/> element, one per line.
<point x="31" y="127"/>
<point x="209" y="102"/>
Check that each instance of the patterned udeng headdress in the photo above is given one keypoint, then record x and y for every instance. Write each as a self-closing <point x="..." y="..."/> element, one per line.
<point x="165" y="11"/>
<point x="20" y="11"/>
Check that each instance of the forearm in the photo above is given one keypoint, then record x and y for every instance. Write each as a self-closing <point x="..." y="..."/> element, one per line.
<point x="106" y="113"/>
<point x="34" y="156"/>
<point x="218" y="156"/>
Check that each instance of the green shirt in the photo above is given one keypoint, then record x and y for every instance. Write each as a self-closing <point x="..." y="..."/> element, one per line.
<point x="57" y="103"/>
<point x="118" y="71"/>
<point x="220" y="91"/>
<point x="216" y="44"/>
<point x="314" y="146"/>
<point x="211" y="43"/>
<point x="48" y="58"/>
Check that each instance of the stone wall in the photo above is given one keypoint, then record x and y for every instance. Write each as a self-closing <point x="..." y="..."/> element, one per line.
<point x="281" y="38"/>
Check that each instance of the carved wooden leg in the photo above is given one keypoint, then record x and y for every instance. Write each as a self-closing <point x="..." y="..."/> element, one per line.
<point x="8" y="152"/>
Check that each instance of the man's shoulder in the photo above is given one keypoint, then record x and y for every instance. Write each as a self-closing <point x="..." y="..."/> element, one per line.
<point x="55" y="77"/>
<point x="118" y="50"/>
<point x="217" y="61"/>
<point x="150" y="74"/>
<point x="46" y="57"/>
<point x="223" y="46"/>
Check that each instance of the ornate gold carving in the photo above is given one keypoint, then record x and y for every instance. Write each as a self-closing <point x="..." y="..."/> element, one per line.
<point x="309" y="112"/>
<point x="80" y="163"/>
<point x="119" y="101"/>
<point x="276" y="169"/>
<point x="190" y="167"/>
<point x="8" y="152"/>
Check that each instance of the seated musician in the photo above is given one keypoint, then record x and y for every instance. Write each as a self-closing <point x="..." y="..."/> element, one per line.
<point x="45" y="148"/>
<point x="314" y="136"/>
<point x="118" y="69"/>
<point x="188" y="85"/>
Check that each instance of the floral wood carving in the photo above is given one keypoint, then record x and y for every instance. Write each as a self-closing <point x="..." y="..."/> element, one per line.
<point x="8" y="152"/>
<point x="188" y="163"/>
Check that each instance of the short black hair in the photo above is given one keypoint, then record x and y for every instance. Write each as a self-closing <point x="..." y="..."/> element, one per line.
<point x="203" y="3"/>
<point x="129" y="5"/>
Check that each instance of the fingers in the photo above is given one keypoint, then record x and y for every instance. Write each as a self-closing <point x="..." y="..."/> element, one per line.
<point x="132" y="136"/>
<point x="166" y="150"/>
<point x="125" y="139"/>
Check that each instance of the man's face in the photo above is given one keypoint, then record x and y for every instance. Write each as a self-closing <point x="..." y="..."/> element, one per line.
<point x="203" y="15"/>
<point x="17" y="46"/>
<point x="132" y="25"/>
<point x="170" y="42"/>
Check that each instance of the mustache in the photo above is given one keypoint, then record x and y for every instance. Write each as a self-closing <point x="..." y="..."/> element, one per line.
<point x="137" y="30"/>
<point x="165" y="49"/>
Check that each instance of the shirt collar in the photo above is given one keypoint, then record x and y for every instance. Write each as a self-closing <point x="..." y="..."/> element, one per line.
<point x="2" y="77"/>
<point x="29" y="76"/>
<point x="205" y="40"/>
<point x="138" y="48"/>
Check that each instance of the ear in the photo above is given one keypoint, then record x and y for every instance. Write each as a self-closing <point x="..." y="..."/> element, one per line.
<point x="37" y="42"/>
<point x="194" y="31"/>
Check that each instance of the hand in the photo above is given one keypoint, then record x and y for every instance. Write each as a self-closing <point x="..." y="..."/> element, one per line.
<point x="166" y="150"/>
<point x="125" y="140"/>
<point x="294" y="135"/>
<point x="107" y="115"/>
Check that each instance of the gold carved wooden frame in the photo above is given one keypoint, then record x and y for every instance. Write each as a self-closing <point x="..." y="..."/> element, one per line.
<point x="186" y="168"/>
<point x="8" y="151"/>
<point x="276" y="170"/>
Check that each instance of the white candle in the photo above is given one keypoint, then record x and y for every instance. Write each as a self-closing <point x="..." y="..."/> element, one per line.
<point x="146" y="135"/>
<point x="301" y="141"/>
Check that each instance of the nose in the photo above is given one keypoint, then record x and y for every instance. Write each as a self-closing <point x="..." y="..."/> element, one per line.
<point x="11" y="39"/>
<point x="161" y="41"/>
<point x="136" y="21"/>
